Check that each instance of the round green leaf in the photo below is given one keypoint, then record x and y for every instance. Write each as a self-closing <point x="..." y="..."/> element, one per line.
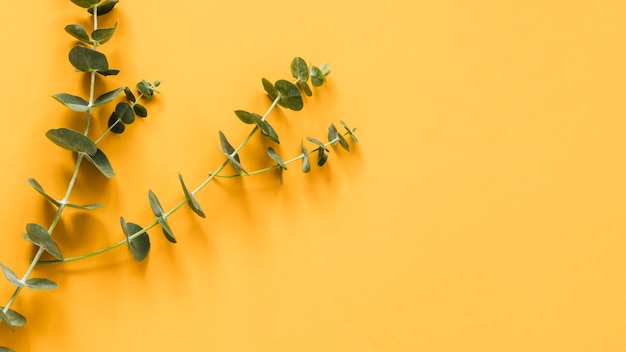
<point x="125" y="112"/>
<point x="299" y="69"/>
<point x="72" y="140"/>
<point x="140" y="110"/>
<point x="139" y="246"/>
<point x="129" y="95"/>
<point x="77" y="31"/>
<point x="317" y="76"/>
<point x="73" y="102"/>
<point x="115" y="124"/>
<point x="101" y="162"/>
<point x="102" y="35"/>
<point x="290" y="96"/>
<point x="88" y="60"/>
<point x="38" y="235"/>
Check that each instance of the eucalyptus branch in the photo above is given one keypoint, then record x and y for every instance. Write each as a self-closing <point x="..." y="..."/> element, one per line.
<point x="86" y="58"/>
<point x="283" y="93"/>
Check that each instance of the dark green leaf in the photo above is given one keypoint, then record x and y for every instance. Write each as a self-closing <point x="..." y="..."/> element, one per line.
<point x="86" y="3"/>
<point x="115" y="124"/>
<point x="317" y="142"/>
<point x="276" y="158"/>
<point x="191" y="201"/>
<point x="145" y="88"/>
<point x="236" y="164"/>
<point x="290" y="96"/>
<point x="88" y="60"/>
<point x="40" y="284"/>
<point x="102" y="35"/>
<point x="305" y="88"/>
<point x="332" y="134"/>
<point x="245" y="117"/>
<point x="105" y="7"/>
<point x="77" y="31"/>
<point x="15" y="318"/>
<point x="268" y="131"/>
<point x="73" y="102"/>
<point x="101" y="162"/>
<point x="107" y="97"/>
<point x="7" y="320"/>
<point x="306" y="165"/>
<point x="72" y="140"/>
<point x="10" y="275"/>
<point x="299" y="69"/>
<point x="125" y="112"/>
<point x="317" y="77"/>
<point x="228" y="149"/>
<point x="140" y="110"/>
<point x="139" y="246"/>
<point x="109" y="72"/>
<point x="167" y="231"/>
<point x="157" y="209"/>
<point x="270" y="89"/>
<point x="321" y="157"/>
<point x="129" y="94"/>
<point x="350" y="131"/>
<point x="38" y="235"/>
<point x="40" y="190"/>
<point x="343" y="143"/>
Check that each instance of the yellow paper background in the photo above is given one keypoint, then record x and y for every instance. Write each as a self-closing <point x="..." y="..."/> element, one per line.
<point x="482" y="211"/>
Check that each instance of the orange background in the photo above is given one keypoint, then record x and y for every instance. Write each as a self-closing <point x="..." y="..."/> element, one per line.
<point x="482" y="211"/>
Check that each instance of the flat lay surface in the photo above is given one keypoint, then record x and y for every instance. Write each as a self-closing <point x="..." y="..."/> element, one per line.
<point x="483" y="209"/>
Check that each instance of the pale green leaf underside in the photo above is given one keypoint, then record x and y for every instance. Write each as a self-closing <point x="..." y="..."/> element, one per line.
<point x="10" y="275"/>
<point x="40" y="284"/>
<point x="15" y="318"/>
<point x="7" y="320"/>
<point x="72" y="140"/>
<point x="107" y="97"/>
<point x="276" y="158"/>
<point x="73" y="102"/>
<point x="101" y="162"/>
<point x="38" y="235"/>
<point x="191" y="200"/>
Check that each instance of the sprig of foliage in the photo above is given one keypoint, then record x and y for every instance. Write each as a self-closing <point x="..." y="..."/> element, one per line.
<point x="282" y="93"/>
<point x="86" y="58"/>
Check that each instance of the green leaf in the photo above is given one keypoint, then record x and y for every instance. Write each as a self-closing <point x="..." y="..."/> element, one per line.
<point x="73" y="102"/>
<point x="38" y="235"/>
<point x="157" y="209"/>
<point x="317" y="76"/>
<point x="10" y="275"/>
<point x="229" y="152"/>
<point x="7" y="320"/>
<point x="109" y="72"/>
<point x="343" y="143"/>
<point x="84" y="207"/>
<point x="268" y="131"/>
<point x="332" y="134"/>
<point x="41" y="191"/>
<point x="102" y="35"/>
<point x="321" y="157"/>
<point x="40" y="284"/>
<point x="88" y="60"/>
<point x="305" y="88"/>
<point x="245" y="117"/>
<point x="77" y="31"/>
<point x="15" y="318"/>
<point x="72" y="140"/>
<point x="350" y="131"/>
<point x="290" y="96"/>
<point x="140" y="110"/>
<point x="105" y="7"/>
<point x="115" y="124"/>
<point x="129" y="95"/>
<point x="101" y="162"/>
<point x="145" y="88"/>
<point x="138" y="246"/>
<point x="86" y="3"/>
<point x="300" y="69"/>
<point x="125" y="112"/>
<point x="306" y="165"/>
<point x="317" y="142"/>
<point x="191" y="201"/>
<point x="107" y="97"/>
<point x="5" y="349"/>
<point x="325" y="68"/>
<point x="272" y="153"/>
<point x="270" y="89"/>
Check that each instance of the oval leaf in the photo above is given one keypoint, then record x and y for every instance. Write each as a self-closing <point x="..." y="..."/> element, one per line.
<point x="73" y="102"/>
<point x="276" y="158"/>
<point x="317" y="142"/>
<point x="290" y="96"/>
<point x="321" y="157"/>
<point x="86" y="3"/>
<point x="317" y="77"/>
<point x="102" y="35"/>
<point x="129" y="95"/>
<point x="245" y="117"/>
<point x="38" y="235"/>
<point x="299" y="69"/>
<point x="125" y="112"/>
<point x="88" y="60"/>
<point x="140" y="110"/>
<point x="332" y="134"/>
<point x="305" y="88"/>
<point x="7" y="320"/>
<point x="139" y="246"/>
<point x="41" y="191"/>
<point x="40" y="284"/>
<point x="191" y="201"/>
<point x="343" y="143"/>
<point x="157" y="209"/>
<point x="101" y="162"/>
<point x="77" y="31"/>
<point x="107" y="97"/>
<point x="350" y="131"/>
<point x="72" y="140"/>
<point x="306" y="165"/>
<point x="115" y="124"/>
<point x="268" y="131"/>
<point x="84" y="207"/>
<point x="105" y="7"/>
<point x="15" y="318"/>
<point x="10" y="275"/>
<point x="270" y="89"/>
<point x="167" y="231"/>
